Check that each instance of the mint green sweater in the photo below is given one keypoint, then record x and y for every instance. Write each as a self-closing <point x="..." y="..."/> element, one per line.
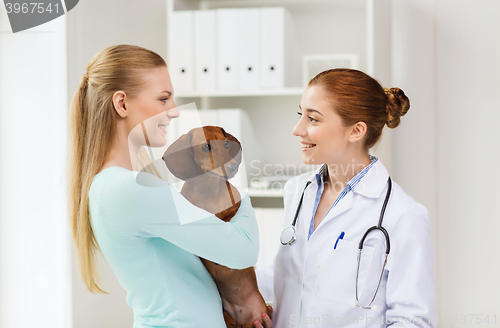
<point x="151" y="237"/>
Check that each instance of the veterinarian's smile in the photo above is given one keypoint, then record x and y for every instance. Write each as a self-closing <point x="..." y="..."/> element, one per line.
<point x="307" y="146"/>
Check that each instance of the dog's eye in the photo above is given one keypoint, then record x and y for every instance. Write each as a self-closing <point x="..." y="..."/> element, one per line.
<point x="226" y="143"/>
<point x="206" y="147"/>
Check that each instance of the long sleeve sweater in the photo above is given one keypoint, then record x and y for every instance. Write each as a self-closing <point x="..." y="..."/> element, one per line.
<point x="152" y="238"/>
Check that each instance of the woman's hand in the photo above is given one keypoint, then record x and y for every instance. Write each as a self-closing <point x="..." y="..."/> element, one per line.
<point x="267" y="320"/>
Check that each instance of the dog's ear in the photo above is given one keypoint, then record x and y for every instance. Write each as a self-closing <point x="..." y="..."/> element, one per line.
<point x="235" y="148"/>
<point x="223" y="132"/>
<point x="179" y="158"/>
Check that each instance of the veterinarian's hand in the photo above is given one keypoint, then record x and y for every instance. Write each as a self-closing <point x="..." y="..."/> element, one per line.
<point x="267" y="320"/>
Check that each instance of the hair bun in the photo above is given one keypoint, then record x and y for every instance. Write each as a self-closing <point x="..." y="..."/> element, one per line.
<point x="397" y="105"/>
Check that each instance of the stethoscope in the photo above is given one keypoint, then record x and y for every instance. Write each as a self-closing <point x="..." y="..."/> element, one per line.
<point x="289" y="236"/>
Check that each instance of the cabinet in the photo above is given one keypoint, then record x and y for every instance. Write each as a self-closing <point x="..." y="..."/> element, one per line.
<point x="319" y="27"/>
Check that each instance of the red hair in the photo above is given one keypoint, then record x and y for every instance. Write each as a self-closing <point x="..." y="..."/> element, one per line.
<point x="359" y="97"/>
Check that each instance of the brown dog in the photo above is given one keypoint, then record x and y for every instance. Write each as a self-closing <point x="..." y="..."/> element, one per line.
<point x="205" y="158"/>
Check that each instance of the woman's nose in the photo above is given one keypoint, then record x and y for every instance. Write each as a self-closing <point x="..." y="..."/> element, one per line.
<point x="299" y="129"/>
<point x="173" y="112"/>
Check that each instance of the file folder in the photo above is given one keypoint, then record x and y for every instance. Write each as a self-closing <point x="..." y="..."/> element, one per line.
<point x="181" y="67"/>
<point x="249" y="48"/>
<point x="227" y="48"/>
<point x="204" y="50"/>
<point x="275" y="24"/>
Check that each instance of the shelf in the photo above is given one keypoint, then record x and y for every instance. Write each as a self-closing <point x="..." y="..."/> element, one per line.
<point x="260" y="3"/>
<point x="241" y="93"/>
<point x="318" y="28"/>
<point x="253" y="192"/>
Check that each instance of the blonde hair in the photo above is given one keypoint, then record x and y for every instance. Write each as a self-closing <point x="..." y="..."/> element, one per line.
<point x="91" y="130"/>
<point x="146" y="164"/>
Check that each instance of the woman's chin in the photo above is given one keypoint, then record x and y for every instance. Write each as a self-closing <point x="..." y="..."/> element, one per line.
<point x="158" y="142"/>
<point x="308" y="160"/>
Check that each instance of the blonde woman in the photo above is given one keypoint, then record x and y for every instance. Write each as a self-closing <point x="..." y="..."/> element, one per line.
<point x="148" y="233"/>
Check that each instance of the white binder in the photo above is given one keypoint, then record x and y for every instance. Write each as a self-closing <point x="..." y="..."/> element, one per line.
<point x="204" y="50"/>
<point x="274" y="26"/>
<point x="249" y="48"/>
<point x="227" y="48"/>
<point x="181" y="67"/>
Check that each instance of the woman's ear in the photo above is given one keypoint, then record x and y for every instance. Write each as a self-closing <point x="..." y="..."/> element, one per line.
<point x="119" y="98"/>
<point x="358" y="131"/>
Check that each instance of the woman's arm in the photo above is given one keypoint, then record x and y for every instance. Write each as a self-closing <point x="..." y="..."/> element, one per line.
<point x="410" y="285"/>
<point x="140" y="211"/>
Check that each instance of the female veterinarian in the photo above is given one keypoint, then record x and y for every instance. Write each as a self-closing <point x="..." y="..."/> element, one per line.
<point x="327" y="213"/>
<point x="148" y="233"/>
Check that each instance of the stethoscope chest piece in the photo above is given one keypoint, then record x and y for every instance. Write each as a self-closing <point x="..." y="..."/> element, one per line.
<point x="288" y="236"/>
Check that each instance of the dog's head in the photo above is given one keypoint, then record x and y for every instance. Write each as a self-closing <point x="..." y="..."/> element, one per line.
<point x="206" y="150"/>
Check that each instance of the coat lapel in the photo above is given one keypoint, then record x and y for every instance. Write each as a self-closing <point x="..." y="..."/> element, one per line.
<point x="374" y="182"/>
<point x="371" y="185"/>
<point x="346" y="203"/>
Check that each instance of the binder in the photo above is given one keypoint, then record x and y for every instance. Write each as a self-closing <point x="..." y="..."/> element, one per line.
<point x="238" y="123"/>
<point x="249" y="48"/>
<point x="204" y="50"/>
<point x="275" y="24"/>
<point x="181" y="67"/>
<point x="227" y="48"/>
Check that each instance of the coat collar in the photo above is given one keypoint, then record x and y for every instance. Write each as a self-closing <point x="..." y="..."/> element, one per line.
<point x="371" y="185"/>
<point x="374" y="181"/>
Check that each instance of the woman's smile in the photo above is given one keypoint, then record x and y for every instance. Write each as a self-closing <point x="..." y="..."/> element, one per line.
<point x="307" y="146"/>
<point x="163" y="128"/>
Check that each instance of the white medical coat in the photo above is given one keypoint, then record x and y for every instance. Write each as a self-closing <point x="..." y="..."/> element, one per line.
<point x="314" y="284"/>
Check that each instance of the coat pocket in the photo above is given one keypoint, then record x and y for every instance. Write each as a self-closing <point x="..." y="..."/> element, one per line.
<point x="336" y="279"/>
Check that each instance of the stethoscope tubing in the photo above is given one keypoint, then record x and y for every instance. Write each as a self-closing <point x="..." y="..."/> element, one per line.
<point x="387" y="247"/>
<point x="293" y="237"/>
<point x="379" y="225"/>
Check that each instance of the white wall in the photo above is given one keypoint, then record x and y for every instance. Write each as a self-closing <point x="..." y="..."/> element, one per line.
<point x="468" y="103"/>
<point x="446" y="53"/>
<point x="415" y="140"/>
<point x="34" y="232"/>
